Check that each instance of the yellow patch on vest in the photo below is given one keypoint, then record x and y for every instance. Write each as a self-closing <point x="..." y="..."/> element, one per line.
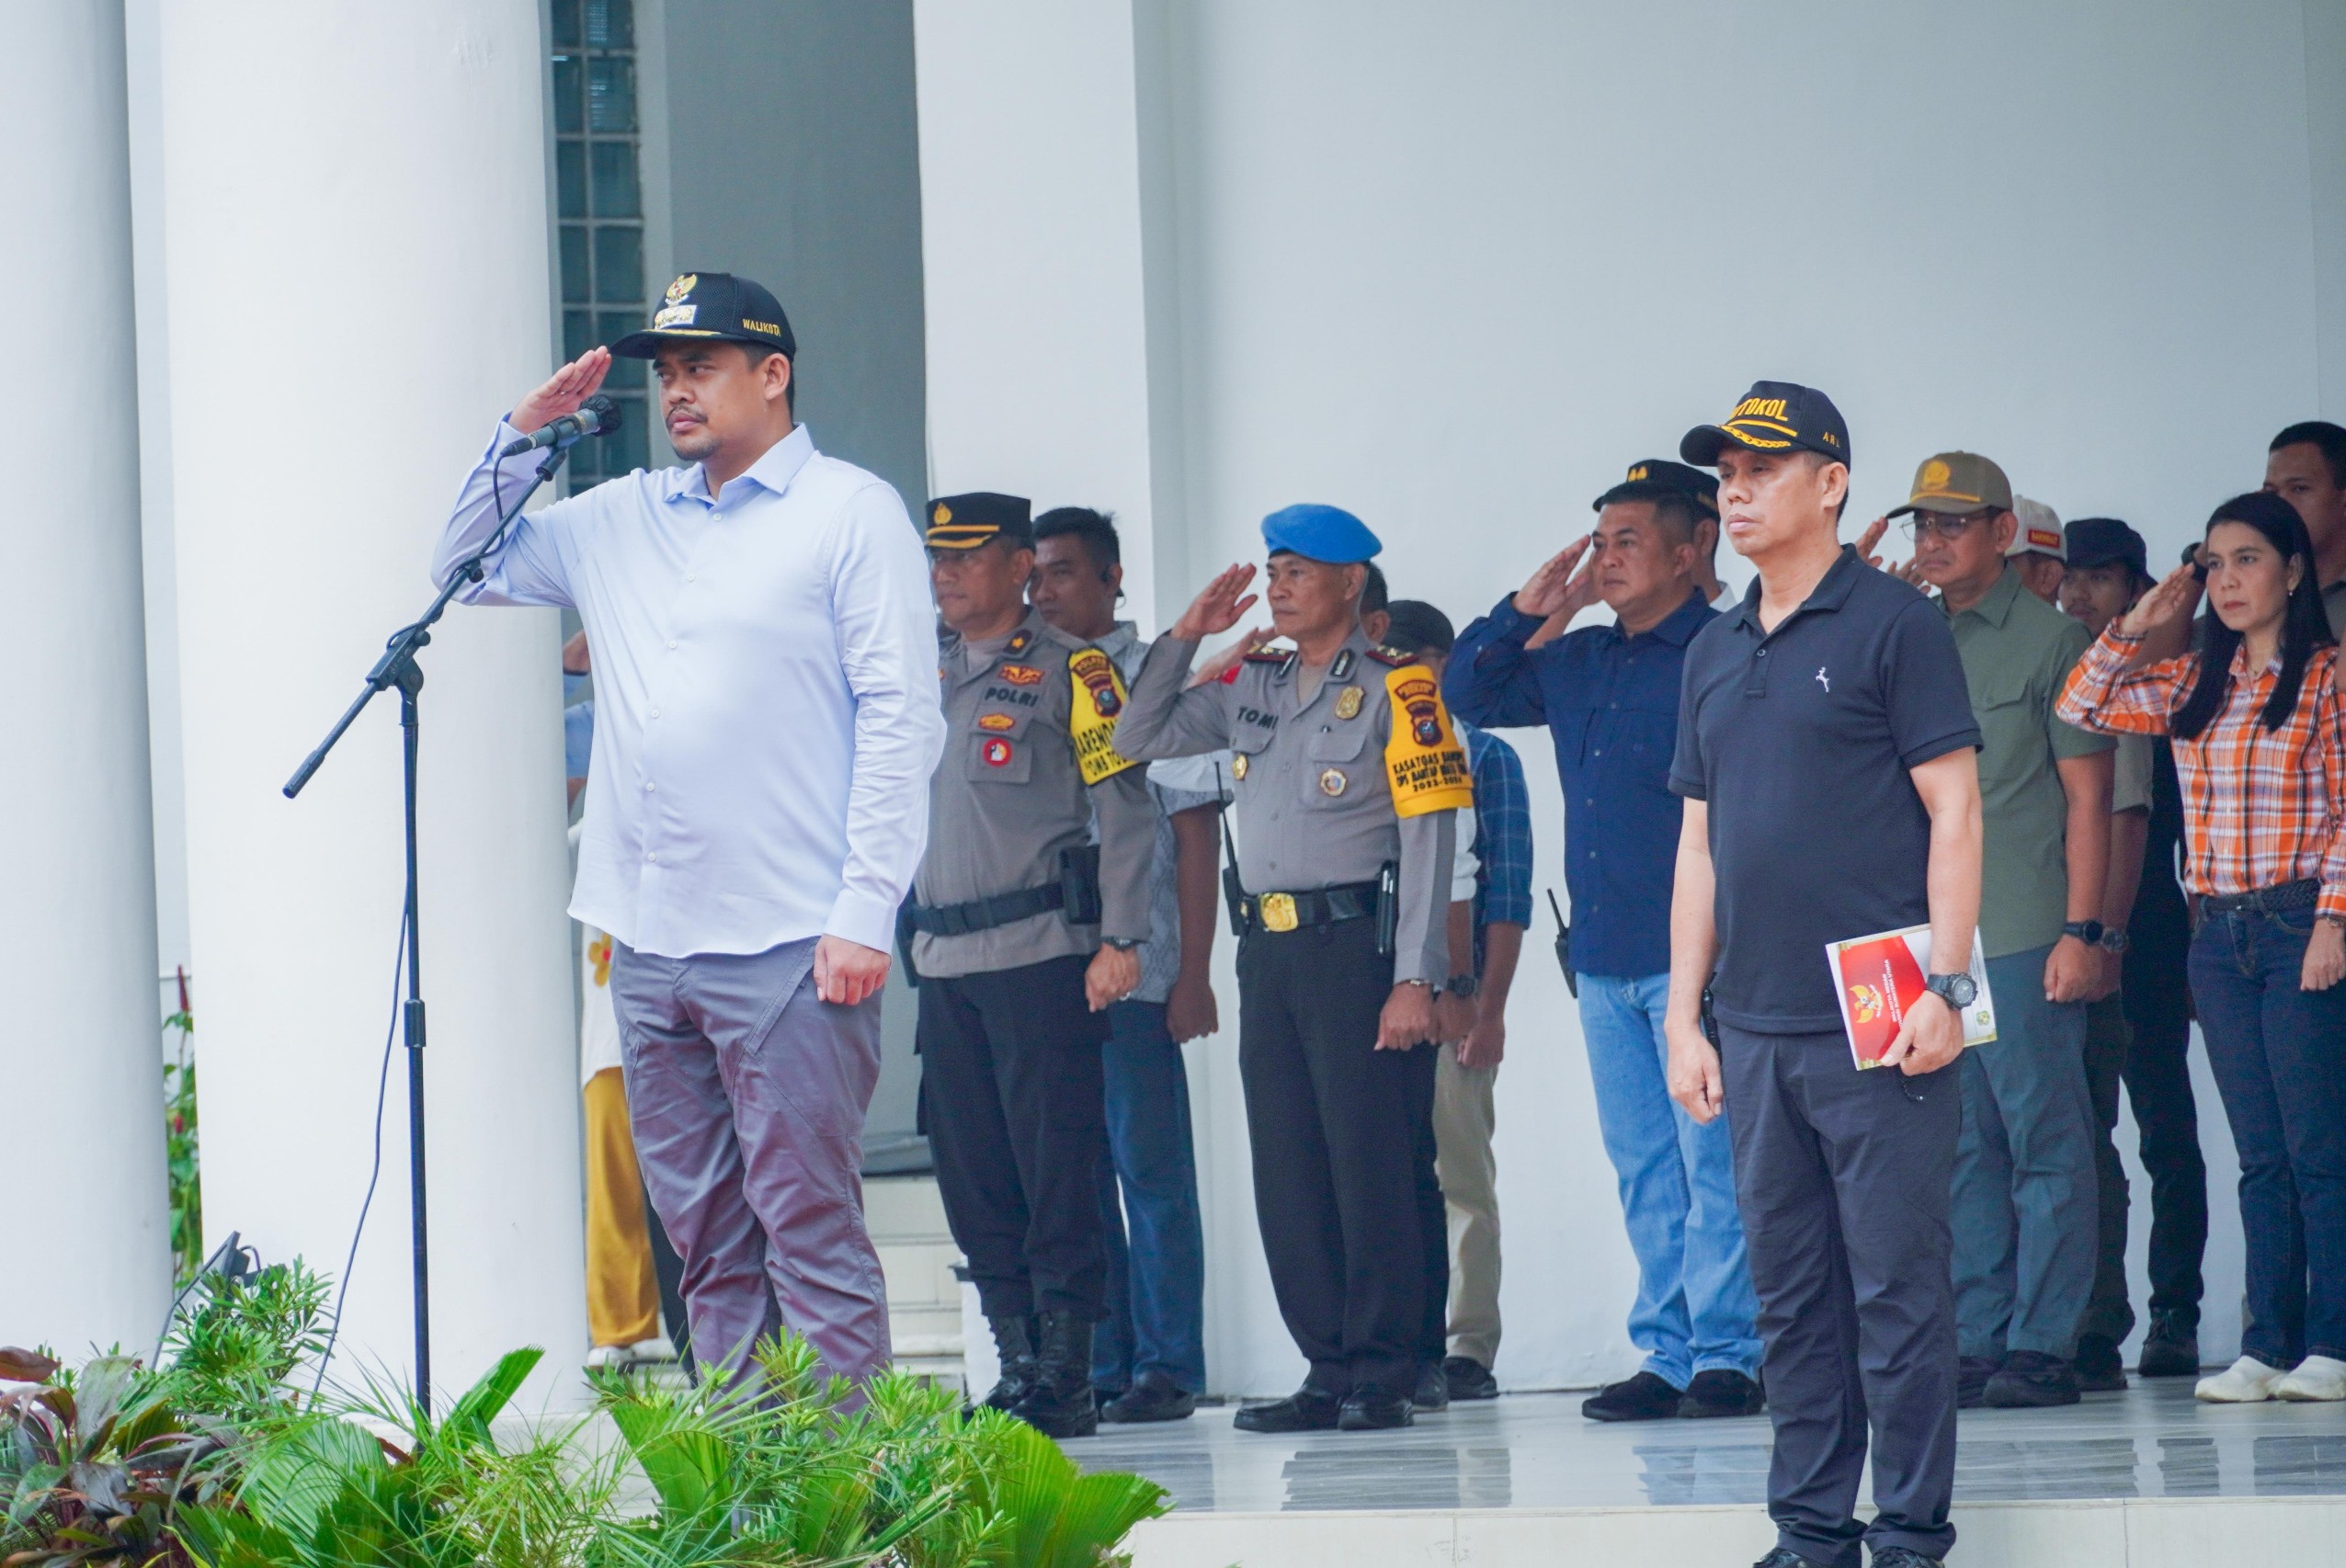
<point x="1098" y="698"/>
<point x="1424" y="759"/>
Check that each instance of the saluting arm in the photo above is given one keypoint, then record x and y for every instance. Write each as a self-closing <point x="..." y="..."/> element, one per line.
<point x="1489" y="679"/>
<point x="1161" y="719"/>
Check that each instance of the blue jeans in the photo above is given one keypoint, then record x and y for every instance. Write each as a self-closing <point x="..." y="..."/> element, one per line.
<point x="2026" y="1195"/>
<point x="1695" y="1311"/>
<point x="1156" y="1281"/>
<point x="2278" y="1054"/>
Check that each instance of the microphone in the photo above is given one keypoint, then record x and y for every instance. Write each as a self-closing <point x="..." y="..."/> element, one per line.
<point x="598" y="415"/>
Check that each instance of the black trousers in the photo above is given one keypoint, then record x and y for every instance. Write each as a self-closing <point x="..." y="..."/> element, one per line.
<point x="1335" y="1126"/>
<point x="1844" y="1179"/>
<point x="2158" y="995"/>
<point x="1012" y="1100"/>
<point x="1433" y="1223"/>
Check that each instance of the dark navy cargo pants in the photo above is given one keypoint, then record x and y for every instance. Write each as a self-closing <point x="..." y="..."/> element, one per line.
<point x="1844" y="1177"/>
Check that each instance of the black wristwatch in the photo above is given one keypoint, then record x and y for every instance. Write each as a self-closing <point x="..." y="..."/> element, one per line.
<point x="1460" y="985"/>
<point x="2086" y="931"/>
<point x="2113" y="939"/>
<point x="1955" y="990"/>
<point x="1122" y="944"/>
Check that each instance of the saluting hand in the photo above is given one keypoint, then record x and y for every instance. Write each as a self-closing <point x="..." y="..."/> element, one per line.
<point x="1222" y="663"/>
<point x="1218" y="608"/>
<point x="1556" y="588"/>
<point x="2170" y="602"/>
<point x="1871" y="540"/>
<point x="563" y="391"/>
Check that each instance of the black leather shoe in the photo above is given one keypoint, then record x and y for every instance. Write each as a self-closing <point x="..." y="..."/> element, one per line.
<point x="2171" y="1349"/>
<point x="1971" y="1381"/>
<point x="1719" y="1392"/>
<point x="1061" y="1403"/>
<point x="1469" y="1378"/>
<point x="1152" y="1397"/>
<point x="1432" y="1392"/>
<point x="1370" y="1408"/>
<point x="1646" y="1397"/>
<point x="2098" y="1369"/>
<point x="1306" y="1410"/>
<point x="2033" y="1381"/>
<point x="1014" y="1348"/>
<point x="1905" y="1557"/>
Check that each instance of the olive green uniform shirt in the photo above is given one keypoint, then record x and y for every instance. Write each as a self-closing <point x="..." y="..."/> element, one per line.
<point x="1311" y="794"/>
<point x="1009" y="796"/>
<point x="2017" y="650"/>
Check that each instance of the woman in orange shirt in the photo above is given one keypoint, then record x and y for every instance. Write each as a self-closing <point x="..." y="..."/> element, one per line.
<point x="2255" y="715"/>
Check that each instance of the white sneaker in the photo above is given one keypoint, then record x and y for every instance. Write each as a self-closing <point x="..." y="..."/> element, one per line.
<point x="655" y="1348"/>
<point x="2318" y="1378"/>
<point x="609" y="1357"/>
<point x="2246" y="1382"/>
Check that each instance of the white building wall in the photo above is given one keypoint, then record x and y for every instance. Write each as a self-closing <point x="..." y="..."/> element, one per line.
<point x="1455" y="268"/>
<point x="83" y="1224"/>
<point x="357" y="283"/>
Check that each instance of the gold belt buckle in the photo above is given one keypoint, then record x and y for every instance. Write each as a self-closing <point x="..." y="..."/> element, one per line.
<point x="1277" y="911"/>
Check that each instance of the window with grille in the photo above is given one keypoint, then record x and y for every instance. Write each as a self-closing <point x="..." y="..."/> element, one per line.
<point x="598" y="201"/>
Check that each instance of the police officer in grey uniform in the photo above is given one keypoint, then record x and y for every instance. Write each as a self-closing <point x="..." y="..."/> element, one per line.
<point x="1346" y="778"/>
<point x="1021" y="932"/>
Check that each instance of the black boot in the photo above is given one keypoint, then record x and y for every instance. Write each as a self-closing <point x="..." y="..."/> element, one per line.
<point x="1061" y="1403"/>
<point x="1014" y="1343"/>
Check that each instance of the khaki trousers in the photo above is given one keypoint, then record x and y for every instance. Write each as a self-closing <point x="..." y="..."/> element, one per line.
<point x="622" y="1294"/>
<point x="1463" y="1118"/>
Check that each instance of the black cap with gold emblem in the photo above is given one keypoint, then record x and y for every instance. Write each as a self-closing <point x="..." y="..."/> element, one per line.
<point x="964" y="522"/>
<point x="1650" y="477"/>
<point x="1774" y="417"/>
<point x="704" y="305"/>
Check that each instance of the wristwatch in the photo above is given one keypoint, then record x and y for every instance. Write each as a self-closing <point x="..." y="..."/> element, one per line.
<point x="1955" y="990"/>
<point x="2113" y="939"/>
<point x="2086" y="931"/>
<point x="1122" y="944"/>
<point x="1460" y="985"/>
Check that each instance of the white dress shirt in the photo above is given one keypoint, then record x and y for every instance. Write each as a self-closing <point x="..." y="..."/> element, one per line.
<point x="767" y="714"/>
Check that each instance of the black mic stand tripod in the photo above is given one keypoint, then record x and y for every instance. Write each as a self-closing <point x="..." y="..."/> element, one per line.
<point x="398" y="668"/>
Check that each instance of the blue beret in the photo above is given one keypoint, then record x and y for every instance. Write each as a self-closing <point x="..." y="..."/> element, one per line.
<point x="1319" y="533"/>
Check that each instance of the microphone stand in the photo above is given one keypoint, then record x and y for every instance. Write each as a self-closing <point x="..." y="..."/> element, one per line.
<point x="397" y="667"/>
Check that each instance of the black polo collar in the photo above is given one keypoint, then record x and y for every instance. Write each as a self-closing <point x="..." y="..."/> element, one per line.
<point x="1831" y="592"/>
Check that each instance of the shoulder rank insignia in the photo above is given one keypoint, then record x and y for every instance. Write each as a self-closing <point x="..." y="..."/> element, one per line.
<point x="1098" y="698"/>
<point x="1427" y="764"/>
<point x="1393" y="656"/>
<point x="1267" y="656"/>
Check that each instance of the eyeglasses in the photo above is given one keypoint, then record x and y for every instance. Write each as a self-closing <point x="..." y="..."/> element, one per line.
<point x="1922" y="525"/>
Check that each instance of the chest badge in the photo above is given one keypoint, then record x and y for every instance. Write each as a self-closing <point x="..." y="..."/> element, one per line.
<point x="1238" y="766"/>
<point x="1348" y="702"/>
<point x="1277" y="911"/>
<point x="1332" y="782"/>
<point x="997" y="751"/>
<point x="1021" y="674"/>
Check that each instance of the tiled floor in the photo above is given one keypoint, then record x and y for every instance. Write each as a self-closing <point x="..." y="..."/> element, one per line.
<point x="1535" y="1451"/>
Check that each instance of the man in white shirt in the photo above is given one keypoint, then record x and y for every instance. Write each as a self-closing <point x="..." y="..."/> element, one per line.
<point x="766" y="720"/>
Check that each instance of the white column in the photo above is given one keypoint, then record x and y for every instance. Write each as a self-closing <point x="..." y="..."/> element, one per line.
<point x="85" y="1220"/>
<point x="1036" y="259"/>
<point x="355" y="201"/>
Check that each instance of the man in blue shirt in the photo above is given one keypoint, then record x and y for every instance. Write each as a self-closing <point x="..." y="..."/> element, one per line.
<point x="1608" y="696"/>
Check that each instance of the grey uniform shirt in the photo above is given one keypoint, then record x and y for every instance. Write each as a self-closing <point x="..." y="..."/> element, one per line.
<point x="1009" y="796"/>
<point x="1314" y="803"/>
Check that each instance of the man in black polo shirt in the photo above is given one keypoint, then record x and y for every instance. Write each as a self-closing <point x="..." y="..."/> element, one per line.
<point x="1824" y="750"/>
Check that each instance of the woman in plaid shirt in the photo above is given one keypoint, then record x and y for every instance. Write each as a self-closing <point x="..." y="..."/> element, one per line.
<point x="2255" y="715"/>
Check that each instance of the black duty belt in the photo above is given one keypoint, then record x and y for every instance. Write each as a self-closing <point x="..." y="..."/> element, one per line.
<point x="1294" y="911"/>
<point x="985" y="914"/>
<point x="2302" y="894"/>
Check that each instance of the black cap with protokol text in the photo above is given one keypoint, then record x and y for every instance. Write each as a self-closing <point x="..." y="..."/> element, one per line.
<point x="1774" y="417"/>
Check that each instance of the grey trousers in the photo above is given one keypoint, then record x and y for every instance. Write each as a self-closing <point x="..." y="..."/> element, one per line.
<point x="747" y="1095"/>
<point x="1843" y="1177"/>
